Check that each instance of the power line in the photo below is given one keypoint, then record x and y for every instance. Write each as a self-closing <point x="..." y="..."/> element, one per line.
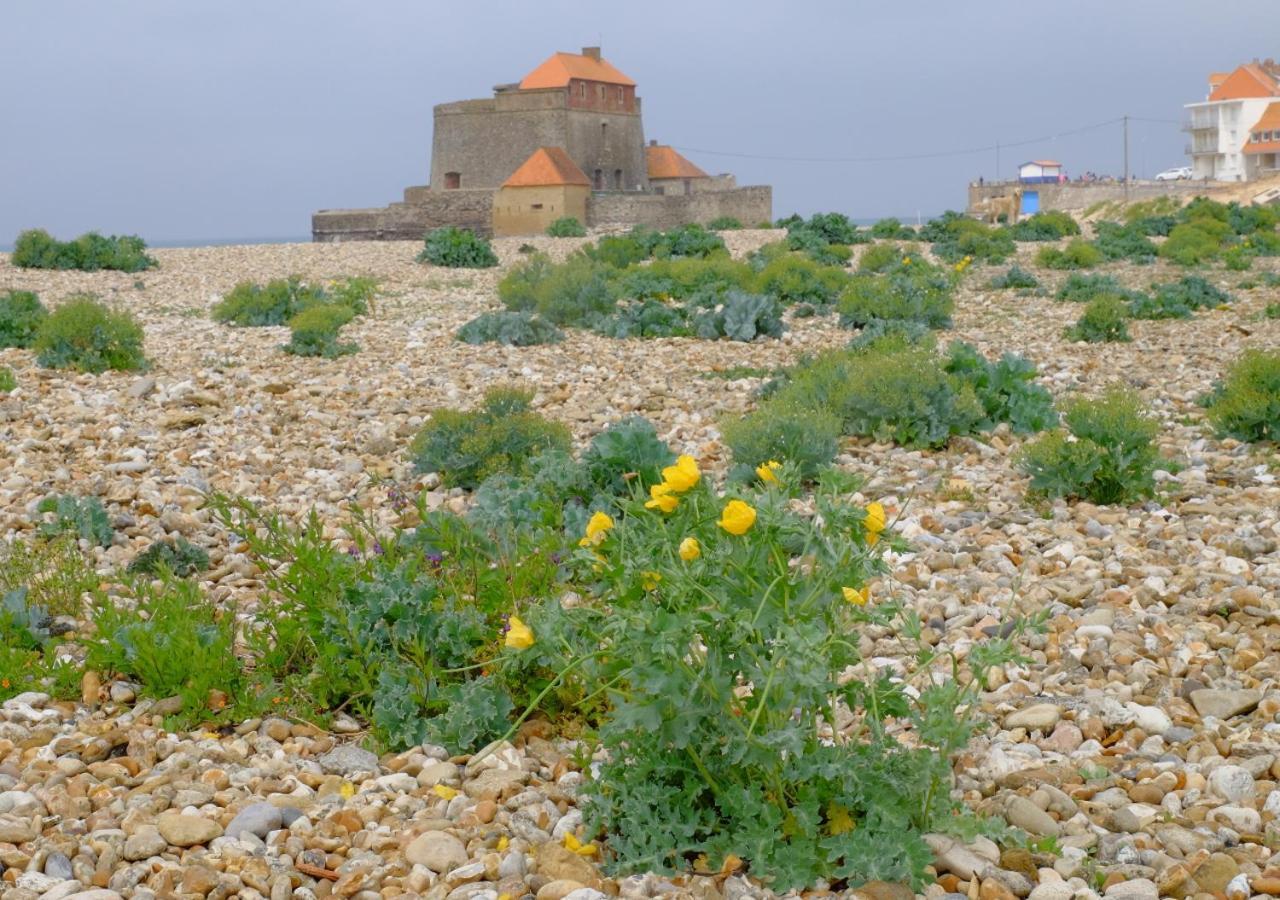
<point x="1001" y="145"/>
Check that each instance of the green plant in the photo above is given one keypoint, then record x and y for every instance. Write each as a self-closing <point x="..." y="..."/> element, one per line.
<point x="36" y="249"/>
<point x="1123" y="242"/>
<point x="893" y="230"/>
<point x="356" y="293"/>
<point x="571" y="293"/>
<point x="1015" y="279"/>
<point x="1177" y="300"/>
<point x="457" y="248"/>
<point x="1079" y="254"/>
<point x="1191" y="244"/>
<point x="916" y="291"/>
<point x="826" y="228"/>
<point x="724" y="223"/>
<point x="51" y="569"/>
<point x="619" y="251"/>
<point x="7" y="381"/>
<point x="566" y="226"/>
<point x="1083" y="288"/>
<point x="514" y="329"/>
<point x="314" y="332"/>
<point x="792" y="279"/>
<point x="86" y="336"/>
<point x="1049" y="225"/>
<point x="1246" y="403"/>
<point x="84" y="517"/>
<point x="955" y="236"/>
<point x="1237" y="258"/>
<point x="171" y="638"/>
<point x="1105" y="454"/>
<point x="21" y="313"/>
<point x="275" y="303"/>
<point x="807" y="438"/>
<point x="688" y="241"/>
<point x="626" y="451"/>
<point x="1006" y="388"/>
<point x="742" y="317"/>
<point x="1103" y="320"/>
<point x="179" y="557"/>
<point x="502" y="435"/>
<point x="880" y="258"/>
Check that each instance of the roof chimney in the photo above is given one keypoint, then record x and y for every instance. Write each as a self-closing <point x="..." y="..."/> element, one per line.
<point x="653" y="142"/>
<point x="592" y="52"/>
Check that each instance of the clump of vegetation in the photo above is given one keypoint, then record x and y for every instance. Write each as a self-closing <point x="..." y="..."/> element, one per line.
<point x="955" y="236"/>
<point x="1049" y="225"/>
<point x="83" y="517"/>
<point x="1246" y="403"/>
<point x="1195" y="243"/>
<point x="315" y="331"/>
<point x="1006" y="388"/>
<point x="566" y="226"/>
<point x="7" y="381"/>
<point x="1083" y="288"/>
<point x="1237" y="258"/>
<point x="724" y="223"/>
<point x="914" y="291"/>
<point x="881" y="258"/>
<point x="786" y="428"/>
<point x="501" y="436"/>
<point x="792" y="279"/>
<point x="1106" y="453"/>
<point x="1177" y="300"/>
<point x="180" y="557"/>
<point x="457" y="248"/>
<point x="514" y="329"/>
<point x="85" y="336"/>
<point x="37" y="249"/>
<point x="50" y="570"/>
<point x="1016" y="278"/>
<point x="1079" y="254"/>
<point x="1104" y="320"/>
<point x="572" y="293"/>
<point x="281" y="299"/>
<point x="891" y="229"/>
<point x="685" y="242"/>
<point x="1123" y="242"/>
<point x="21" y="313"/>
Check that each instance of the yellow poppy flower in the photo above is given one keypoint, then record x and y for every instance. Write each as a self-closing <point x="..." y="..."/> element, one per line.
<point x="874" y="522"/>
<point x="838" y="820"/>
<point x="856" y="597"/>
<point x="765" y="472"/>
<point x="649" y="580"/>
<point x="683" y="475"/>
<point x="737" y="517"/>
<point x="663" y="498"/>
<point x="573" y="845"/>
<point x="444" y="792"/>
<point x="906" y="260"/>
<point x="597" y="527"/>
<point x="519" y="635"/>
<point x="690" y="549"/>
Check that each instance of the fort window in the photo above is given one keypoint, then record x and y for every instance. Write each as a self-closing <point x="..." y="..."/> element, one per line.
<point x="452" y="180"/>
<point x="622" y="95"/>
<point x="601" y="93"/>
<point x="598" y="181"/>
<point x="537" y="206"/>
<point x="617" y="179"/>
<point x="582" y="90"/>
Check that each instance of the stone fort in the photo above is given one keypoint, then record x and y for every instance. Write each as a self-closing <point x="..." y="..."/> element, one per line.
<point x="566" y="140"/>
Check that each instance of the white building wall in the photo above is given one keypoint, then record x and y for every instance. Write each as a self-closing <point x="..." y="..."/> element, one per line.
<point x="1232" y="119"/>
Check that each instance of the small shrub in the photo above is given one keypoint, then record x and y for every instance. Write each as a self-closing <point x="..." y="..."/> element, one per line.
<point x="907" y="331"/>
<point x="1007" y="389"/>
<point x="1153" y="226"/>
<point x="21" y="313"/>
<point x="880" y="258"/>
<point x="1078" y="254"/>
<point x="514" y="329"/>
<point x="830" y="228"/>
<point x="742" y="317"/>
<point x="955" y="236"/>
<point x="893" y="230"/>
<point x="1016" y="278"/>
<point x="7" y="381"/>
<point x="1123" y="242"/>
<point x="1177" y="300"/>
<point x="83" y="517"/>
<point x="1237" y="258"/>
<point x="501" y="436"/>
<point x="803" y="436"/>
<point x="1191" y="244"/>
<point x="275" y="303"/>
<point x="314" y="332"/>
<point x="575" y="292"/>
<point x="566" y="226"/>
<point x="1246" y="403"/>
<point x="179" y="557"/>
<point x="36" y="249"/>
<point x="916" y="292"/>
<point x="1105" y="455"/>
<point x="1050" y="225"/>
<point x="1083" y="288"/>
<point x="688" y="241"/>
<point x="85" y="336"/>
<point x="355" y="293"/>
<point x="457" y="248"/>
<point x="724" y="223"/>
<point x="796" y="279"/>
<point x="1103" y="320"/>
<point x="628" y="450"/>
<point x="619" y="251"/>
<point x="51" y="569"/>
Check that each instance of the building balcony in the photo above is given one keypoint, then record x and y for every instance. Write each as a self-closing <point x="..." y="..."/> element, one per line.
<point x="1200" y="126"/>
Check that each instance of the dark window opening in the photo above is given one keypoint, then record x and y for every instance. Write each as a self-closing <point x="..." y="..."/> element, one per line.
<point x="599" y="180"/>
<point x="452" y="181"/>
<point x="537" y="206"/>
<point x="617" y="179"/>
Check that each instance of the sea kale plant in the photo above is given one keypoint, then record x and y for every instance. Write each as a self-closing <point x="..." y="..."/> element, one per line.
<point x="457" y="248"/>
<point x="37" y="249"/>
<point x="21" y="313"/>
<point x="83" y="335"/>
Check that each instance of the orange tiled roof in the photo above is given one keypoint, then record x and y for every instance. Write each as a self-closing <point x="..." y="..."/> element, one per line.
<point x="561" y="67"/>
<point x="1249" y="80"/>
<point x="665" y="162"/>
<point x="547" y="166"/>
<point x="1270" y="121"/>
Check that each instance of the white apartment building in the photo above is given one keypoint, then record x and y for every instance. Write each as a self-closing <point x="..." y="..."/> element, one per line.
<point x="1222" y="126"/>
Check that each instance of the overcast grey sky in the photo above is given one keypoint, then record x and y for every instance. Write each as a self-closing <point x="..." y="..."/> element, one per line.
<point x="238" y="118"/>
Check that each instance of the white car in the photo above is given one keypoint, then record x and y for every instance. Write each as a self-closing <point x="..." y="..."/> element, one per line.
<point x="1177" y="174"/>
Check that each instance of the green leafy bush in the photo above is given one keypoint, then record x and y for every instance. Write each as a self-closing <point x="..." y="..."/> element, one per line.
<point x="502" y="435"/>
<point x="1123" y="242"/>
<point x="52" y="571"/>
<point x="626" y="451"/>
<point x="742" y="317"/>
<point x="1154" y="226"/>
<point x="955" y="236"/>
<point x="1237" y="258"/>
<point x="902" y="329"/>
<point x="315" y="330"/>
<point x="828" y="228"/>
<point x="807" y="438"/>
<point x="356" y="293"/>
<point x="21" y="313"/>
<point x="86" y="336"/>
<point x="7" y="381"/>
<point x="514" y="329"/>
<point x="83" y="517"/>
<point x="1177" y="300"/>
<point x="724" y="223"/>
<point x="275" y="303"/>
<point x="180" y="557"/>
<point x="566" y="226"/>
<point x="1106" y="453"/>
<point x="1192" y="244"/>
<point x="1246" y="403"/>
<point x="795" y="279"/>
<point x="1078" y="254"/>
<point x="892" y="230"/>
<point x="1016" y="278"/>
<point x="880" y="258"/>
<point x="1104" y="319"/>
<point x="688" y="241"/>
<point x="457" y="248"/>
<point x="1048" y="225"/>
<point x="1083" y="288"/>
<point x="1007" y="389"/>
<point x="619" y="251"/>
<point x="36" y="249"/>
<point x="916" y="292"/>
<point x="571" y="293"/>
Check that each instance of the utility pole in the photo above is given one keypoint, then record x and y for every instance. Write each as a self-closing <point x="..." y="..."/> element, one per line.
<point x="1126" y="159"/>
<point x="997" y="178"/>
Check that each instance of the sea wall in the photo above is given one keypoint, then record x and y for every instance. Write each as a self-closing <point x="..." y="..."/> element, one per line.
<point x="1081" y="195"/>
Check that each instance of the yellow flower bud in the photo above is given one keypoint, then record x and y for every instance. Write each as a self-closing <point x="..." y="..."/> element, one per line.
<point x="765" y="472"/>
<point x="690" y="549"/>
<point x="597" y="527"/>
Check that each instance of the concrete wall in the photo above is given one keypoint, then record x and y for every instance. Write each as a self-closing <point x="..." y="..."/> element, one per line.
<point x="748" y="205"/>
<point x="529" y="210"/>
<point x="1078" y="196"/>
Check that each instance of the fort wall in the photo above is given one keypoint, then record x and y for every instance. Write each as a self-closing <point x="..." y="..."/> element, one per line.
<point x="749" y="205"/>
